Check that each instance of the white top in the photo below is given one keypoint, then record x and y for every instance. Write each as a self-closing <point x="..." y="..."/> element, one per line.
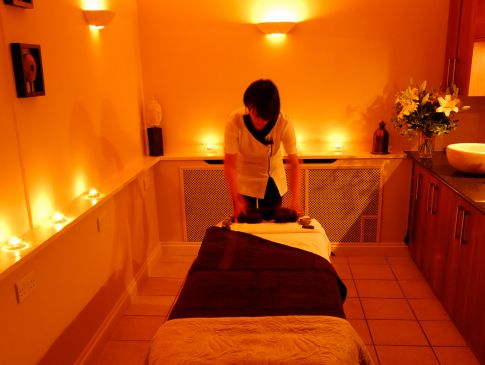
<point x="256" y="161"/>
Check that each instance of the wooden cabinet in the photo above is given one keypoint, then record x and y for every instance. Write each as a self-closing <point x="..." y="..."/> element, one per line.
<point x="430" y="226"/>
<point x="448" y="246"/>
<point x="465" y="25"/>
<point x="464" y="270"/>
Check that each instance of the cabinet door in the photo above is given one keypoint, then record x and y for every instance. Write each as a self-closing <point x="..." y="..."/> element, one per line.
<point x="469" y="239"/>
<point x="418" y="217"/>
<point x="439" y="202"/>
<point x="462" y="21"/>
<point x="429" y="221"/>
<point x="414" y="200"/>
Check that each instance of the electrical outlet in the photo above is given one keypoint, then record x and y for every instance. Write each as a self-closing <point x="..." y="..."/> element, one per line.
<point x="25" y="286"/>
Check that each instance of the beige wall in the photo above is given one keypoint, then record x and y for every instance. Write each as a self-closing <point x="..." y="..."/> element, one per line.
<point x="87" y="127"/>
<point x="82" y="133"/>
<point x="337" y="71"/>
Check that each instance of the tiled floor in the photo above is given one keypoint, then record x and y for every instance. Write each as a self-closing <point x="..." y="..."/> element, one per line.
<point x="389" y="304"/>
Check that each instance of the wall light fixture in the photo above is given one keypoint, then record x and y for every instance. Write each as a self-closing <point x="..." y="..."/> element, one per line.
<point x="98" y="18"/>
<point x="271" y="28"/>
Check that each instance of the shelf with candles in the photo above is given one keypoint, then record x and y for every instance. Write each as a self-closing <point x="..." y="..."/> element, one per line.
<point x="16" y="250"/>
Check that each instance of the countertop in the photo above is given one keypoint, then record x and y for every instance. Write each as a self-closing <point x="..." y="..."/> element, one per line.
<point x="469" y="186"/>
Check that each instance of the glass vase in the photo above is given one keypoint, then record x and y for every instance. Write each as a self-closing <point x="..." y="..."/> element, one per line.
<point x="426" y="146"/>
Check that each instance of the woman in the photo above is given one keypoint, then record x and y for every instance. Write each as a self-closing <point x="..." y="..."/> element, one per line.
<point x="253" y="162"/>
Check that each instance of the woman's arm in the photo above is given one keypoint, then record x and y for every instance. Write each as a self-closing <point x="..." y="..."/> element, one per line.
<point x="230" y="172"/>
<point x="295" y="183"/>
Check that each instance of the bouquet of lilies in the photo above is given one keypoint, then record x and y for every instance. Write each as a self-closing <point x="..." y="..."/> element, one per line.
<point x="430" y="112"/>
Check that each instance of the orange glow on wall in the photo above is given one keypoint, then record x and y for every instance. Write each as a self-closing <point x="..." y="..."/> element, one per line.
<point x="80" y="185"/>
<point x="42" y="207"/>
<point x="4" y="231"/>
<point x="275" y="10"/>
<point x="93" y="4"/>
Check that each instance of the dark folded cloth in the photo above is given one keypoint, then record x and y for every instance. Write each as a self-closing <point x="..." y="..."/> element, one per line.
<point x="278" y="215"/>
<point x="238" y="274"/>
<point x="285" y="215"/>
<point x="251" y="216"/>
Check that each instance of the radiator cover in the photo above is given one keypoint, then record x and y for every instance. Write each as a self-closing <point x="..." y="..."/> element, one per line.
<point x="345" y="200"/>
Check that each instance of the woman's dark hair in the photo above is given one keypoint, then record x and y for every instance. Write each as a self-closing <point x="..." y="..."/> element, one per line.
<point x="264" y="97"/>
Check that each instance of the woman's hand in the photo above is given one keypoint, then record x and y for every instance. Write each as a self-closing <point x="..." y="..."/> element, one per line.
<point x="240" y="205"/>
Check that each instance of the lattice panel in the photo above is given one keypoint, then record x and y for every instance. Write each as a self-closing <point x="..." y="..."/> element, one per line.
<point x="287" y="196"/>
<point x="206" y="200"/>
<point x="339" y="198"/>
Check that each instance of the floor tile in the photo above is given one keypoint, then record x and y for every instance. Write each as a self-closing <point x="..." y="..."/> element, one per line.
<point x="371" y="271"/>
<point x="405" y="355"/>
<point x="351" y="290"/>
<point x="338" y="259"/>
<point x="396" y="332"/>
<point x="123" y="353"/>
<point x="378" y="289"/>
<point x="407" y="260"/>
<point x="416" y="289"/>
<point x="367" y="260"/>
<point x="151" y="305"/>
<point x="360" y="326"/>
<point x="428" y="309"/>
<point x="343" y="270"/>
<point x="136" y="328"/>
<point x="161" y="286"/>
<point x="353" y="308"/>
<point x="381" y="308"/>
<point x="455" y="355"/>
<point x="373" y="354"/>
<point x="442" y="333"/>
<point x="406" y="272"/>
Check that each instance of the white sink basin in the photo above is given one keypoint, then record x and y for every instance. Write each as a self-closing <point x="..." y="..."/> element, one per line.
<point x="467" y="157"/>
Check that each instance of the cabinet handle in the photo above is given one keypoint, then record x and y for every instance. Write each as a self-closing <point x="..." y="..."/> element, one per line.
<point x="453" y="74"/>
<point x="435" y="189"/>
<point x="462" y="229"/>
<point x="428" y="196"/>
<point x="418" y="184"/>
<point x="448" y="73"/>
<point x="456" y="235"/>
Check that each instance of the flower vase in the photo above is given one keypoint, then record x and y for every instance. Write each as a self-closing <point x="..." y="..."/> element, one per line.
<point x="426" y="146"/>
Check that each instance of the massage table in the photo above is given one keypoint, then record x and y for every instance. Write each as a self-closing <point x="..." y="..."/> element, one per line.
<point x="261" y="293"/>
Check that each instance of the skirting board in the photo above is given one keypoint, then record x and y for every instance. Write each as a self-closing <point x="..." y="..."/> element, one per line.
<point x="96" y="342"/>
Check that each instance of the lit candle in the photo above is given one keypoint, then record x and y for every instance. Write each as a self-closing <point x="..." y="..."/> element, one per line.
<point x="58" y="218"/>
<point x="93" y="194"/>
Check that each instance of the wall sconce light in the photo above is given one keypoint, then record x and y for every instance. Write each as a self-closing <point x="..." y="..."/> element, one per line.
<point x="272" y="28"/>
<point x="14" y="244"/>
<point x="98" y="18"/>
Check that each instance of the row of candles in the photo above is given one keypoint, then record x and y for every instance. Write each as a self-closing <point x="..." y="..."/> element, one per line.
<point x="58" y="220"/>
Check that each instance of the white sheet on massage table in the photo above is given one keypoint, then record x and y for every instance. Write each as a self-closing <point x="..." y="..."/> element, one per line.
<point x="291" y="234"/>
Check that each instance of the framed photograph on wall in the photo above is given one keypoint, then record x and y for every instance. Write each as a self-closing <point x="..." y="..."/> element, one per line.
<point x="27" y="67"/>
<point x="20" y="3"/>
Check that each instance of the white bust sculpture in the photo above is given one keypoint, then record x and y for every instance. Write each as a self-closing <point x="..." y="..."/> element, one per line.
<point x="153" y="113"/>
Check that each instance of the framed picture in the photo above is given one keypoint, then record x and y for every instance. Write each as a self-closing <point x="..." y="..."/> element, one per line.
<point x="27" y="68"/>
<point x="20" y="3"/>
